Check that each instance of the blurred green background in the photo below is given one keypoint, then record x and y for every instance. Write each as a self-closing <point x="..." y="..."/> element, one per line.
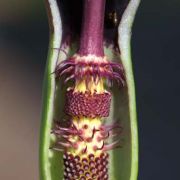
<point x="23" y="52"/>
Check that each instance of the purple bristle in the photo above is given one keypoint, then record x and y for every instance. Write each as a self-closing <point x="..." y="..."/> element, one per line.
<point x="72" y="69"/>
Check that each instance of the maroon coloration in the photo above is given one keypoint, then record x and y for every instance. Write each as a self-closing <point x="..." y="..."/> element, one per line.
<point x="66" y="68"/>
<point x="87" y="104"/>
<point x="74" y="69"/>
<point x="83" y="168"/>
<point x="91" y="40"/>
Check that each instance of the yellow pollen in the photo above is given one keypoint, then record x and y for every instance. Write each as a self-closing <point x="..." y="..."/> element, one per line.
<point x="82" y="86"/>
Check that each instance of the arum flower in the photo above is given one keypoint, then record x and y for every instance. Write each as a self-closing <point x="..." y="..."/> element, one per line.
<point x="89" y="126"/>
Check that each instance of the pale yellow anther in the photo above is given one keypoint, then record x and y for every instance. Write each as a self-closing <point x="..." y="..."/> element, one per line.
<point x="82" y="86"/>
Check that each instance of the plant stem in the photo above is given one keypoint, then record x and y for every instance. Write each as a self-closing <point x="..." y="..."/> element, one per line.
<point x="91" y="40"/>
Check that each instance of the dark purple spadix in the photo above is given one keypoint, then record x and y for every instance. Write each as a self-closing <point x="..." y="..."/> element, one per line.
<point x="91" y="40"/>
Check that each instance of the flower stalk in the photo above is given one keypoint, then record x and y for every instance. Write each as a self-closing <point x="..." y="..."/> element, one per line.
<point x="91" y="40"/>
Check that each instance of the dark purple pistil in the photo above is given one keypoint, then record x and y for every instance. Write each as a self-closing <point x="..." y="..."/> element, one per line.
<point x="91" y="40"/>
